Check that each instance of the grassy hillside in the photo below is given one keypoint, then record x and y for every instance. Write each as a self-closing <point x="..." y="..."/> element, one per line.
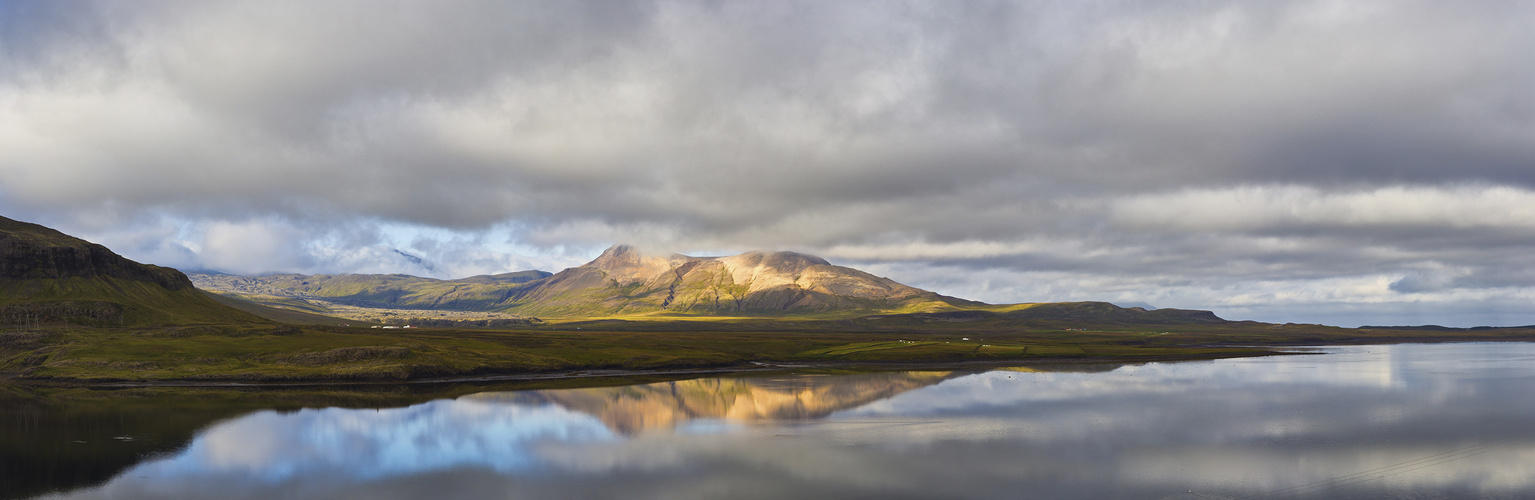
<point x="279" y="314"/>
<point x="105" y="302"/>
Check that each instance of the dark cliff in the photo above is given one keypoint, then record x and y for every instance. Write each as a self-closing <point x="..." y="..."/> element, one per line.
<point x="30" y="251"/>
<point x="49" y="277"/>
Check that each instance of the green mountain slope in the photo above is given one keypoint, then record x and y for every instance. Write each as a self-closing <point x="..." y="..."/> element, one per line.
<point x="478" y="293"/>
<point x="49" y="277"/>
<point x="292" y="316"/>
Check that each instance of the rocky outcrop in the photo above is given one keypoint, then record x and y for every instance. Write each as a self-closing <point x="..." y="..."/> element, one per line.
<point x="625" y="265"/>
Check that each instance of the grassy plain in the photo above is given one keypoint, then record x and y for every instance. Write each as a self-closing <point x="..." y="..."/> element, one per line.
<point x="278" y="352"/>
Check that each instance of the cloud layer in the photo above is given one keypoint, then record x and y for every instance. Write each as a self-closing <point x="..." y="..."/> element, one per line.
<point x="1369" y="156"/>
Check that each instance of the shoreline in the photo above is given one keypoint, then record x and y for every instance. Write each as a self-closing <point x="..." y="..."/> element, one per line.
<point x="599" y="373"/>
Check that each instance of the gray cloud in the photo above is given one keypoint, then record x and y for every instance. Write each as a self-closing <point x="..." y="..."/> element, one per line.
<point x="1177" y="144"/>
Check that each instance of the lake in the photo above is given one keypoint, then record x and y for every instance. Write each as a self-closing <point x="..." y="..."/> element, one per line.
<point x="1397" y="421"/>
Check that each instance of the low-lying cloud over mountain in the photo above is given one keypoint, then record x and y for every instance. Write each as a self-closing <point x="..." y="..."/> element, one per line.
<point x="1349" y="163"/>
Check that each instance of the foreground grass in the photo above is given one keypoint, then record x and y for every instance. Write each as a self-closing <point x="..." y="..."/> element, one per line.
<point x="266" y="353"/>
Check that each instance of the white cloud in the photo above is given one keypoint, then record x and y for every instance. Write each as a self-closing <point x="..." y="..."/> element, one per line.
<point x="253" y="246"/>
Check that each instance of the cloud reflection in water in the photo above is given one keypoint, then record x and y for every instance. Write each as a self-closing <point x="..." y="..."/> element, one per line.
<point x="368" y="444"/>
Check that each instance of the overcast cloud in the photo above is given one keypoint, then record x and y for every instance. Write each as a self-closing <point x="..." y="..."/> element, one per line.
<point x="1312" y="161"/>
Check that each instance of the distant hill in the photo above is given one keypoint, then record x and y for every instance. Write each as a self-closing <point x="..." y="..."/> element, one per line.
<point x="1438" y="328"/>
<point x="49" y="277"/>
<point x="1064" y="315"/>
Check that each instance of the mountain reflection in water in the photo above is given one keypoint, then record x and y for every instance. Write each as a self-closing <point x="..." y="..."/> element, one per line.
<point x="1411" y="421"/>
<point x="636" y="408"/>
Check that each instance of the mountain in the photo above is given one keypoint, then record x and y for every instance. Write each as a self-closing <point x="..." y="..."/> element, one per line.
<point x="624" y="281"/>
<point x="49" y="277"/>
<point x="621" y="282"/>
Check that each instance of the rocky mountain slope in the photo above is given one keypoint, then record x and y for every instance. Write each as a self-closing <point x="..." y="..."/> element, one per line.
<point x="625" y="281"/>
<point x="49" y="277"/>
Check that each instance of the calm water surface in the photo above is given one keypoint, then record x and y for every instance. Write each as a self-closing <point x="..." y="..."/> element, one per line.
<point x="1404" y="421"/>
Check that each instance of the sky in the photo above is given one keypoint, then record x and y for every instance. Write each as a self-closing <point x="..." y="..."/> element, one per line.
<point x="1345" y="163"/>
